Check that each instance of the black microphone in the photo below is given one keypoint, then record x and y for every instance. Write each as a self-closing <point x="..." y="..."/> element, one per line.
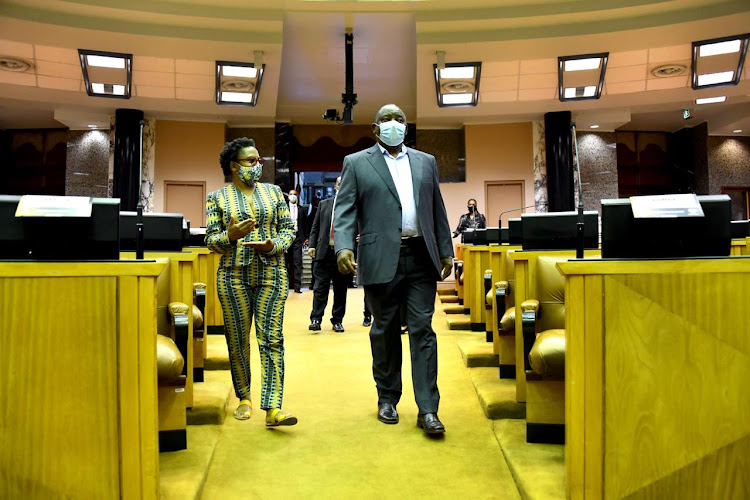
<point x="500" y="217"/>
<point x="139" y="206"/>
<point x="579" y="224"/>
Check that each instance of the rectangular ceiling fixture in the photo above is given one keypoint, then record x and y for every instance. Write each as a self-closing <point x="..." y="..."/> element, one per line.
<point x="457" y="84"/>
<point x="106" y="74"/>
<point x="718" y="62"/>
<point x="238" y="83"/>
<point x="581" y="77"/>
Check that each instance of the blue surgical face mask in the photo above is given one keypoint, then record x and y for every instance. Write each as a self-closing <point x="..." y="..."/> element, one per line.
<point x="392" y="132"/>
<point x="293" y="198"/>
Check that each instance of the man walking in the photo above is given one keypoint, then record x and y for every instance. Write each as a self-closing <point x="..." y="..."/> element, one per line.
<point x="390" y="195"/>
<point x="325" y="270"/>
<point x="294" y="254"/>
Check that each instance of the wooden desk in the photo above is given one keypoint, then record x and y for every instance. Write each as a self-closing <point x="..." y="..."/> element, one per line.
<point x="182" y="273"/>
<point x="78" y="380"/>
<point x="476" y="260"/>
<point x="656" y="378"/>
<point x="214" y="322"/>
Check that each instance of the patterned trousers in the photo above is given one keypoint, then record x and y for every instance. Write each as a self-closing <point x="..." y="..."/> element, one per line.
<point x="247" y="292"/>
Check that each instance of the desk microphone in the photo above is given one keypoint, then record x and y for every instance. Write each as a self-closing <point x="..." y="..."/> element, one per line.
<point x="579" y="225"/>
<point x="139" y="205"/>
<point x="500" y="217"/>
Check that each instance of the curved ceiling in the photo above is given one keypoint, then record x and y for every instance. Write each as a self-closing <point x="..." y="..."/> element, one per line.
<point x="175" y="43"/>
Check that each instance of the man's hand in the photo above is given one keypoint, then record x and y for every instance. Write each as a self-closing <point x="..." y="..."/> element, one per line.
<point x="306" y="243"/>
<point x="238" y="230"/>
<point x="260" y="246"/>
<point x="447" y="263"/>
<point x="345" y="262"/>
<point x="311" y="252"/>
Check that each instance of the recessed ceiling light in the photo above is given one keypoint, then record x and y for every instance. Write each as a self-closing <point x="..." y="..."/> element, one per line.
<point x="91" y="125"/>
<point x="736" y="131"/>
<point x="457" y="72"/>
<point x="583" y="64"/>
<point x="714" y="49"/>
<point x="594" y="126"/>
<point x="711" y="100"/>
<point x="714" y="78"/>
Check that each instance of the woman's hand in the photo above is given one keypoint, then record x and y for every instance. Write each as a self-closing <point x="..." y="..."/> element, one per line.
<point x="260" y="246"/>
<point x="238" y="230"/>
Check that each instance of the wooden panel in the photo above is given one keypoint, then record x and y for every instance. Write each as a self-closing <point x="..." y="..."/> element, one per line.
<point x="659" y="350"/>
<point x="147" y="381"/>
<point x="130" y="425"/>
<point x="58" y="366"/>
<point x="545" y="402"/>
<point x="187" y="198"/>
<point x="593" y="380"/>
<point x="574" y="389"/>
<point x="502" y="196"/>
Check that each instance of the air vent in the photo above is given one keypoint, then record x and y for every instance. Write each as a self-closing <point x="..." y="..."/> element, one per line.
<point x="237" y="86"/>
<point x="458" y="87"/>
<point x="668" y="70"/>
<point x="13" y="64"/>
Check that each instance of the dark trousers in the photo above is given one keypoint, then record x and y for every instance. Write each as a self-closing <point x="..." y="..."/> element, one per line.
<point x="294" y="264"/>
<point x="414" y="286"/>
<point x="325" y="271"/>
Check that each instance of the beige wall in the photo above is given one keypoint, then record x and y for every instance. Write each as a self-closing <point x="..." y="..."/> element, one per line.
<point x="493" y="153"/>
<point x="187" y="151"/>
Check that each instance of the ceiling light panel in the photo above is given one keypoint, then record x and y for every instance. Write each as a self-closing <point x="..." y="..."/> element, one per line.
<point x="457" y="84"/>
<point x="718" y="62"/>
<point x="711" y="100"/>
<point x="237" y="83"/>
<point x="581" y="77"/>
<point x="106" y="74"/>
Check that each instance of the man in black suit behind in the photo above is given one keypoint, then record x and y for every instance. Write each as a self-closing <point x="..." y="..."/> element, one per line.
<point x="325" y="270"/>
<point x="390" y="195"/>
<point x="294" y="253"/>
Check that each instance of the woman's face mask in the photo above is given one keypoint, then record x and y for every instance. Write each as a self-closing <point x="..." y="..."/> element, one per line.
<point x="392" y="132"/>
<point x="471" y="208"/>
<point x="250" y="175"/>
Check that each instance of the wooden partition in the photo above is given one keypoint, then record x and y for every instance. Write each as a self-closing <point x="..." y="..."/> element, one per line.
<point x="524" y="266"/>
<point x="459" y="281"/>
<point x="215" y="321"/>
<point x="657" y="395"/>
<point x="502" y="270"/>
<point x="740" y="246"/>
<point x="476" y="260"/>
<point x="183" y="268"/>
<point x="78" y="380"/>
<point x="204" y="276"/>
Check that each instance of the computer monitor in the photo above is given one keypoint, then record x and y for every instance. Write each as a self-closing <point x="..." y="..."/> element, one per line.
<point x="60" y="238"/>
<point x="740" y="228"/>
<point x="161" y="231"/>
<point x="468" y="236"/>
<point x="514" y="231"/>
<point x="624" y="236"/>
<point x="480" y="237"/>
<point x="504" y="237"/>
<point x="558" y="231"/>
<point x="493" y="235"/>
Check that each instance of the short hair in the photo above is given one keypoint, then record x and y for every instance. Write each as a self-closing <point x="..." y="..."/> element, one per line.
<point x="471" y="199"/>
<point x="230" y="151"/>
<point x="381" y="111"/>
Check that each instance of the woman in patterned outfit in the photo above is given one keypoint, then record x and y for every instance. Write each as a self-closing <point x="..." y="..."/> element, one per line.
<point x="252" y="278"/>
<point x="470" y="220"/>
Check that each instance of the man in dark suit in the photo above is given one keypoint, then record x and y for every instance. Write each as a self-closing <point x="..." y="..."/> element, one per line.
<point x="390" y="194"/>
<point x="325" y="270"/>
<point x="294" y="253"/>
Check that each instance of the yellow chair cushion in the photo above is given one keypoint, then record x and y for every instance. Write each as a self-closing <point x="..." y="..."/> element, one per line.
<point x="197" y="317"/>
<point x="508" y="321"/>
<point x="169" y="361"/>
<point x="547" y="356"/>
<point x="178" y="308"/>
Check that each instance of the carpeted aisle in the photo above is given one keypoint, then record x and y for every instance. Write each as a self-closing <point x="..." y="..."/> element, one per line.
<point x="339" y="449"/>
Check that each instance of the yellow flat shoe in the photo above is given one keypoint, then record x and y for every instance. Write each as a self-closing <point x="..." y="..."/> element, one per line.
<point x="244" y="410"/>
<point x="276" y="417"/>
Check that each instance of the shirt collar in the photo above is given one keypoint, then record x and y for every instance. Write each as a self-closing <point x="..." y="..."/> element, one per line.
<point x="401" y="153"/>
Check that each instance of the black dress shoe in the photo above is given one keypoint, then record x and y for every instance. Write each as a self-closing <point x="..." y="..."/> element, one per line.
<point x="297" y="290"/>
<point x="314" y="325"/>
<point x="430" y="423"/>
<point x="367" y="321"/>
<point x="338" y="327"/>
<point x="387" y="413"/>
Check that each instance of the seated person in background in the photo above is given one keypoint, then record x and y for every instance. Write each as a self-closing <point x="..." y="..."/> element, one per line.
<point x="471" y="220"/>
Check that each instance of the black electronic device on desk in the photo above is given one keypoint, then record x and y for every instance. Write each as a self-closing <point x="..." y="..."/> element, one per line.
<point x="740" y="228"/>
<point x="480" y="237"/>
<point x="515" y="232"/>
<point x="625" y="236"/>
<point x="493" y="235"/>
<point x="197" y="237"/>
<point x="60" y="237"/>
<point x="161" y="231"/>
<point x="504" y="236"/>
<point x="468" y="236"/>
<point x="558" y="230"/>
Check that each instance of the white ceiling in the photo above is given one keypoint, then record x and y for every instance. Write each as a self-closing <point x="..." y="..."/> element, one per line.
<point x="175" y="44"/>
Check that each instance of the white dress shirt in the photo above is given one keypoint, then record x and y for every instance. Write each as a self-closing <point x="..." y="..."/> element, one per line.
<point x="293" y="213"/>
<point x="400" y="169"/>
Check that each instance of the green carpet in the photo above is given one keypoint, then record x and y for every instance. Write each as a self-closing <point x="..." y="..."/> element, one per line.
<point x="339" y="449"/>
<point x="476" y="351"/>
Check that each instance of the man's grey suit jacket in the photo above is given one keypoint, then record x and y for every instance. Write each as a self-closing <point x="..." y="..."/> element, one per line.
<point x="368" y="199"/>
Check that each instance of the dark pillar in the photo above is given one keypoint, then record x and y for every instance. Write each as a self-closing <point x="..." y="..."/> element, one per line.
<point x="284" y="136"/>
<point x="410" y="140"/>
<point x="688" y="160"/>
<point x="559" y="144"/>
<point x="126" y="182"/>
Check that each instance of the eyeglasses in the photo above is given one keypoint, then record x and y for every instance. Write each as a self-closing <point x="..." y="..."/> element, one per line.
<point x="252" y="160"/>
